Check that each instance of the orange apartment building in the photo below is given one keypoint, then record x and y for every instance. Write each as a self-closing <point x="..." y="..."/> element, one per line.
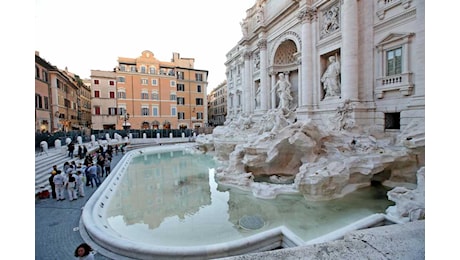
<point x="159" y="94"/>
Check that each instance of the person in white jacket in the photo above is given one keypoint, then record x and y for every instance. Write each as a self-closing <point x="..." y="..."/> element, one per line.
<point x="59" y="181"/>
<point x="71" y="185"/>
<point x="80" y="183"/>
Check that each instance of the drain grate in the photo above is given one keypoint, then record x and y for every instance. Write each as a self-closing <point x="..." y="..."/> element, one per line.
<point x="251" y="222"/>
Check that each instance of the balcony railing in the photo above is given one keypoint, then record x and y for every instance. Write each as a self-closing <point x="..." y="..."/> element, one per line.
<point x="401" y="82"/>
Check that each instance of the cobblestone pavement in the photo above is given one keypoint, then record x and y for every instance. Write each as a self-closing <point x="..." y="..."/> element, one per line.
<point x="56" y="225"/>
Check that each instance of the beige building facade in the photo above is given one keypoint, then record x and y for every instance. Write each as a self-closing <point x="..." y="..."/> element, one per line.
<point x="367" y="57"/>
<point x="217" y="105"/>
<point x="105" y="111"/>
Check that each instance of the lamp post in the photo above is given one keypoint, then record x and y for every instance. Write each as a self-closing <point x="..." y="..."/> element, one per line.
<point x="126" y="118"/>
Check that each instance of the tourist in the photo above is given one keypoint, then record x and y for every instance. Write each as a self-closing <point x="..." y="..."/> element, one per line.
<point x="93" y="175"/>
<point x="71" y="148"/>
<point x="85" y="150"/>
<point x="71" y="185"/>
<point x="107" y="163"/>
<point x="65" y="167"/>
<point x="53" y="172"/>
<point x="100" y="163"/>
<point x="84" y="252"/>
<point x="59" y="181"/>
<point x="81" y="154"/>
<point x="80" y="183"/>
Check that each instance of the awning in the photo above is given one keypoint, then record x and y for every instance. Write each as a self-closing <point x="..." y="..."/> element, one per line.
<point x="126" y="124"/>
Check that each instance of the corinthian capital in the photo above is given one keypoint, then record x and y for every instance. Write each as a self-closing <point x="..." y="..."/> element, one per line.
<point x="262" y="44"/>
<point x="307" y="15"/>
<point x="246" y="55"/>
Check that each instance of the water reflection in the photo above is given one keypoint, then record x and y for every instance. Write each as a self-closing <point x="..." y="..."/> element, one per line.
<point x="172" y="199"/>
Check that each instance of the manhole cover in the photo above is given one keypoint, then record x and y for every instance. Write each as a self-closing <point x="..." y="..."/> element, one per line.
<point x="251" y="222"/>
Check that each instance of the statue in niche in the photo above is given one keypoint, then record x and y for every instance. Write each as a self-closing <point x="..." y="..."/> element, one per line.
<point x="283" y="89"/>
<point x="257" y="61"/>
<point x="331" y="78"/>
<point x="258" y="97"/>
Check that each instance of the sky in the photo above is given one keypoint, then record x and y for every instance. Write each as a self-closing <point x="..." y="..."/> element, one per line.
<point x="85" y="35"/>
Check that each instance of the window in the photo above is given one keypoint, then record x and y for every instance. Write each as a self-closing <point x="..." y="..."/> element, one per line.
<point x="181" y="115"/>
<point x="152" y="70"/>
<point x="97" y="110"/>
<point x="155" y="111"/>
<point x="392" y="121"/>
<point x="173" y="111"/>
<point x="144" y="81"/>
<point x="96" y="82"/>
<point x="96" y="93"/>
<point x="145" y="111"/>
<point x="143" y="69"/>
<point x="172" y="96"/>
<point x="199" y="77"/>
<point x="37" y="72"/>
<point x="133" y="68"/>
<point x="155" y="95"/>
<point x="38" y="101"/>
<point x="112" y="110"/>
<point x="199" y="101"/>
<point x="394" y="64"/>
<point x="45" y="75"/>
<point x="144" y="95"/>
<point x="111" y="82"/>
<point x="46" y="102"/>
<point x="172" y="83"/>
<point x="180" y="87"/>
<point x="199" y="115"/>
<point x="122" y="67"/>
<point x="198" y="88"/>
<point x="122" y="110"/>
<point x="180" y="75"/>
<point x="121" y="94"/>
<point x="112" y="94"/>
<point x="154" y="82"/>
<point x="121" y="79"/>
<point x="181" y="101"/>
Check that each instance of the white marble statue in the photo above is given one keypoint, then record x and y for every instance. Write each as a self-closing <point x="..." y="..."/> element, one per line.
<point x="283" y="90"/>
<point x="257" y="99"/>
<point x="331" y="78"/>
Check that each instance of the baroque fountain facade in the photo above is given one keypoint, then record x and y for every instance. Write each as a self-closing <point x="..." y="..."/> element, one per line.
<point x="326" y="97"/>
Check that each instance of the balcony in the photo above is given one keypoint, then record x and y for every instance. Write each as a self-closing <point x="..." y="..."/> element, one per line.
<point x="401" y="82"/>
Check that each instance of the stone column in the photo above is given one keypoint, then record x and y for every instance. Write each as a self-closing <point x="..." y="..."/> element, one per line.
<point x="264" y="93"/>
<point x="247" y="82"/>
<point x="273" y="92"/>
<point x="349" y="52"/>
<point x="306" y="75"/>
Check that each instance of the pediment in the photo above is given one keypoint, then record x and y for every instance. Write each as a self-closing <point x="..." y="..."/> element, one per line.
<point x="392" y="37"/>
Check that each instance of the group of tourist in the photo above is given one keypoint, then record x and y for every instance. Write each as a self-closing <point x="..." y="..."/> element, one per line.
<point x="73" y="177"/>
